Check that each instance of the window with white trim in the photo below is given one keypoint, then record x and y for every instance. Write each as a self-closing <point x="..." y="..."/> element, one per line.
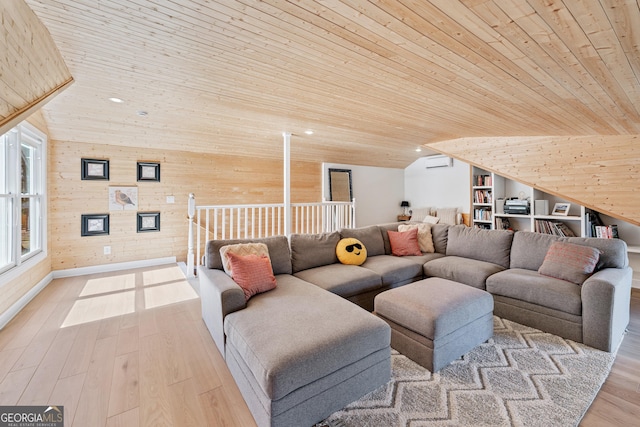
<point x="22" y="195"/>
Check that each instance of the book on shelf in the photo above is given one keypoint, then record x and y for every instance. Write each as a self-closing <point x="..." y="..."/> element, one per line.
<point x="503" y="224"/>
<point x="483" y="180"/>
<point x="594" y="227"/>
<point x="606" y="231"/>
<point x="556" y="228"/>
<point x="482" y="214"/>
<point x="482" y="196"/>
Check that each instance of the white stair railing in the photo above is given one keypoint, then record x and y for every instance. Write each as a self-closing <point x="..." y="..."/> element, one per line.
<point x="214" y="222"/>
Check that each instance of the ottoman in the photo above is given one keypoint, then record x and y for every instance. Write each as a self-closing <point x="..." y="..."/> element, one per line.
<point x="435" y="321"/>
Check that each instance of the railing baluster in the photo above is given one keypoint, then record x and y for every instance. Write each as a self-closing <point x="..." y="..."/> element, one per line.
<point x="227" y="222"/>
<point x="224" y="223"/>
<point x="198" y="237"/>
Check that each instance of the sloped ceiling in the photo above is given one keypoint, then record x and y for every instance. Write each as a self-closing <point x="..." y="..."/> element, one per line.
<point x="31" y="69"/>
<point x="374" y="80"/>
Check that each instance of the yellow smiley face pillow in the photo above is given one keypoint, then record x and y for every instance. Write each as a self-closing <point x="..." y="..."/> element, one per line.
<point x="351" y="251"/>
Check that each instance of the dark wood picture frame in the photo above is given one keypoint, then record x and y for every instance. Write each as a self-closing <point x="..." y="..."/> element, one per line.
<point x="148" y="222"/>
<point x="149" y="171"/>
<point x="94" y="169"/>
<point x="340" y="185"/>
<point x="94" y="224"/>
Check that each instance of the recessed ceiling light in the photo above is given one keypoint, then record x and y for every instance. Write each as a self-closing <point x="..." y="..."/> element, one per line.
<point x="116" y="100"/>
<point x="142" y="113"/>
<point x="308" y="132"/>
<point x="418" y="150"/>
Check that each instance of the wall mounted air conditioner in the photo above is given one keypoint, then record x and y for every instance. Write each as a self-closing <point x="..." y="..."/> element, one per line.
<point x="438" y="161"/>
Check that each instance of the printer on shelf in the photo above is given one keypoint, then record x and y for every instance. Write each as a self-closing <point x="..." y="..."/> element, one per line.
<point x="516" y="206"/>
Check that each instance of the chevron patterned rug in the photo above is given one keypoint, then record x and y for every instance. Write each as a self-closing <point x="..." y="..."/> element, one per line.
<point x="521" y="377"/>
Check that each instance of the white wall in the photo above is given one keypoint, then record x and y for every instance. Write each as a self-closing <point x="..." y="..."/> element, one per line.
<point x="445" y="187"/>
<point x="378" y="192"/>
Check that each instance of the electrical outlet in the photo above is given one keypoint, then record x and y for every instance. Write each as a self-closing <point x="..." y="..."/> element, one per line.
<point x="171" y="199"/>
<point x="107" y="250"/>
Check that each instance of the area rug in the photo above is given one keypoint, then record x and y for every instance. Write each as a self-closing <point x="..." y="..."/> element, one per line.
<point x="521" y="377"/>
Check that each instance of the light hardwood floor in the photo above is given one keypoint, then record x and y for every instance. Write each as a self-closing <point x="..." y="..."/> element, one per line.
<point x="129" y="349"/>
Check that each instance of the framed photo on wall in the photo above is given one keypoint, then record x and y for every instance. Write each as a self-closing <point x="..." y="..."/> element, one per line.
<point x="94" y="224"/>
<point x="149" y="171"/>
<point x="94" y="169"/>
<point x="123" y="198"/>
<point x="148" y="221"/>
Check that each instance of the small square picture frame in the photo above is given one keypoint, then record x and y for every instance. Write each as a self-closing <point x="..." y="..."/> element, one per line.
<point x="148" y="222"/>
<point x="561" y="209"/>
<point x="149" y="171"/>
<point x="94" y="224"/>
<point x="94" y="169"/>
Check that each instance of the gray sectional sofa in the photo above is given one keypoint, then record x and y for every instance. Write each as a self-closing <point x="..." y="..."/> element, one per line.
<point x="268" y="340"/>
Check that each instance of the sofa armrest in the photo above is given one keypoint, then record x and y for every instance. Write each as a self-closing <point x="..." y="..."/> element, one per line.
<point x="219" y="296"/>
<point x="606" y="297"/>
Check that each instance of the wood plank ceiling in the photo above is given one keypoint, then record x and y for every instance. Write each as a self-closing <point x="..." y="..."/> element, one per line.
<point x="31" y="69"/>
<point x="373" y="79"/>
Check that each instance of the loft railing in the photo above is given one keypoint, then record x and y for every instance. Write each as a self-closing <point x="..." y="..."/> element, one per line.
<point x="216" y="222"/>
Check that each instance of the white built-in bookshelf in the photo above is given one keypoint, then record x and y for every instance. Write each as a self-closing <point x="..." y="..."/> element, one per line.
<point x="535" y="207"/>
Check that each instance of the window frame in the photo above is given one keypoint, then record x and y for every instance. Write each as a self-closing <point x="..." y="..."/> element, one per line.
<point x="19" y="263"/>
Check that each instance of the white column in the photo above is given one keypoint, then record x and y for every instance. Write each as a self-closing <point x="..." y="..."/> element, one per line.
<point x="190" y="256"/>
<point x="287" y="183"/>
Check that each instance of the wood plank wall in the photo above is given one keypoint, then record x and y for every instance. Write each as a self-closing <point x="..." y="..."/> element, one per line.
<point x="214" y="179"/>
<point x="31" y="66"/>
<point x="599" y="172"/>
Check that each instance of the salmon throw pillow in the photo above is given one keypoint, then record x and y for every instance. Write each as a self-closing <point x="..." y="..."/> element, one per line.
<point x="404" y="243"/>
<point x="570" y="262"/>
<point x="253" y="273"/>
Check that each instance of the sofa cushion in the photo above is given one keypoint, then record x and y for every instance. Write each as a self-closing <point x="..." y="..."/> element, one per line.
<point x="447" y="215"/>
<point x="404" y="242"/>
<point x="533" y="287"/>
<point x="313" y="250"/>
<point x="425" y="257"/>
<point x="613" y="252"/>
<point x="571" y="262"/>
<point x="370" y="236"/>
<point x="440" y="234"/>
<point x="252" y="272"/>
<point x="392" y="226"/>
<point x="529" y="249"/>
<point x="419" y="214"/>
<point x="278" y="252"/>
<point x="425" y="239"/>
<point x="394" y="270"/>
<point x="329" y="333"/>
<point x="464" y="270"/>
<point x="341" y="279"/>
<point x="492" y="246"/>
<point x="241" y="249"/>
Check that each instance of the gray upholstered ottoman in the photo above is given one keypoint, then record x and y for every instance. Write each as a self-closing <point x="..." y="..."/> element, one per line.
<point x="435" y="321"/>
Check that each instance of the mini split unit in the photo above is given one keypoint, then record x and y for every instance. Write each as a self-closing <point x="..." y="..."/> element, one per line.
<point x="438" y="161"/>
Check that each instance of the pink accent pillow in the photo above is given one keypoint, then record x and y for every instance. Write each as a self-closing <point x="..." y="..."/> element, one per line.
<point x="570" y="262"/>
<point x="253" y="273"/>
<point x="404" y="242"/>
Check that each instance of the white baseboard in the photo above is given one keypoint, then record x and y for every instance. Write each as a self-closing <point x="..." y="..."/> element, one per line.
<point x="12" y="311"/>
<point x="118" y="266"/>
